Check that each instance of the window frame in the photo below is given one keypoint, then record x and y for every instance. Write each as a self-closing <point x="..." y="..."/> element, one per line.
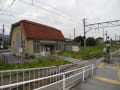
<point x="36" y="46"/>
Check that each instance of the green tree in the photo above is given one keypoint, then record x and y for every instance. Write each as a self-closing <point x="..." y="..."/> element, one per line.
<point x="90" y="41"/>
<point x="79" y="39"/>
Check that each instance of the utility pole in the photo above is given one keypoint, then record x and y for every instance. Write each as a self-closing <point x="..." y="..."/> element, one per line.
<point x="84" y="32"/>
<point x="70" y="36"/>
<point x="32" y="2"/>
<point x="119" y="37"/>
<point x="74" y="33"/>
<point x="106" y="36"/>
<point x="115" y="38"/>
<point x="2" y="46"/>
<point x="103" y="34"/>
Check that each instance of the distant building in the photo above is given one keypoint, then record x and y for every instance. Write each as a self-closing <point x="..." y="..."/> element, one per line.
<point x="116" y="42"/>
<point x="71" y="46"/>
<point x="6" y="40"/>
<point x="36" y="39"/>
<point x="100" y="40"/>
<point x="68" y="40"/>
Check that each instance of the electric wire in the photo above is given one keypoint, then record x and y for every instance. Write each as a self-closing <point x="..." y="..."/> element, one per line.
<point x="11" y="4"/>
<point x="51" y="11"/>
<point x="56" y="9"/>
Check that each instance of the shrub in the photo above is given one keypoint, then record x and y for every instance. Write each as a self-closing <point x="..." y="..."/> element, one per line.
<point x="26" y="55"/>
<point x="91" y="41"/>
<point x="14" y="54"/>
<point x="32" y="56"/>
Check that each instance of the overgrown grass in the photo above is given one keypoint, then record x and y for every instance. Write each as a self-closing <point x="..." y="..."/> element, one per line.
<point x="86" y="52"/>
<point x="51" y="61"/>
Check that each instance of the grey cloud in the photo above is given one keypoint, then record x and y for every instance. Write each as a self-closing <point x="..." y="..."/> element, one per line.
<point x="93" y="10"/>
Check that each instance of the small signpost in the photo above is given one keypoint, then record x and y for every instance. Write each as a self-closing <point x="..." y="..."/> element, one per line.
<point x="21" y="51"/>
<point x="1" y="46"/>
<point x="106" y="50"/>
<point x="108" y="44"/>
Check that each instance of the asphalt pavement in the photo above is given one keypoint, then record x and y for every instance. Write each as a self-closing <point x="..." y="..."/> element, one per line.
<point x="106" y="77"/>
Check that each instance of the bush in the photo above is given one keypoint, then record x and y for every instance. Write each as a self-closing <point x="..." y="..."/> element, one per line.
<point x="80" y="40"/>
<point x="29" y="56"/>
<point x="32" y="56"/>
<point x="90" y="41"/>
<point x="26" y="56"/>
<point x="14" y="54"/>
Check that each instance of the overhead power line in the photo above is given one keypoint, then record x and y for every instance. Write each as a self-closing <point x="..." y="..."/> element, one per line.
<point x="9" y="14"/>
<point x="104" y="24"/>
<point x="11" y="4"/>
<point x="98" y="26"/>
<point x="58" y="10"/>
<point x="16" y="15"/>
<point x="51" y="11"/>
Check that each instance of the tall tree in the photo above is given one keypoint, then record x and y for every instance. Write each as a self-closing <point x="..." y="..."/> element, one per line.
<point x="79" y="39"/>
<point x="91" y="41"/>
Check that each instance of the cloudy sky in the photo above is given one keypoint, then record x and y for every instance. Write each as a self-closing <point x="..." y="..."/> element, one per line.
<point x="64" y="15"/>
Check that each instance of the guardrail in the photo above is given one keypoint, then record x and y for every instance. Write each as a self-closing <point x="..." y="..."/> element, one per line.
<point x="14" y="76"/>
<point x="61" y="80"/>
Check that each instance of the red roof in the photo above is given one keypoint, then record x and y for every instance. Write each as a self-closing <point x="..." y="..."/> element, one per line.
<point x="34" y="30"/>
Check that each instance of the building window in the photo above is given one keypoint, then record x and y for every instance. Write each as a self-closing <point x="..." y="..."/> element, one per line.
<point x="18" y="41"/>
<point x="13" y="45"/>
<point x="36" y="46"/>
<point x="59" y="45"/>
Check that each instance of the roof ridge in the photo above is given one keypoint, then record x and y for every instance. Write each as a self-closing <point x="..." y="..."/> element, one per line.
<point x="33" y="30"/>
<point x="39" y="24"/>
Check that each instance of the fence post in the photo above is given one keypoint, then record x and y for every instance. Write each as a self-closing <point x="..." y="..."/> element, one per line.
<point x="119" y="51"/>
<point x="92" y="68"/>
<point x="59" y="69"/>
<point x="17" y="80"/>
<point x="64" y="81"/>
<point x="111" y="56"/>
<point x="1" y="77"/>
<point x="83" y="74"/>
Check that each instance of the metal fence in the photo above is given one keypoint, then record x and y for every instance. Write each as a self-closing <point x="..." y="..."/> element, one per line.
<point x="10" y="59"/>
<point x="115" y="53"/>
<point x="14" y="76"/>
<point x="50" y="81"/>
<point x="114" y="57"/>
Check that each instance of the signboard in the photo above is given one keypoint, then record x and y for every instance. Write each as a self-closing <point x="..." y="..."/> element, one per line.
<point x="43" y="53"/>
<point x="104" y="50"/>
<point x="1" y="46"/>
<point x="108" y="44"/>
<point x="75" y="48"/>
<point x="20" y="50"/>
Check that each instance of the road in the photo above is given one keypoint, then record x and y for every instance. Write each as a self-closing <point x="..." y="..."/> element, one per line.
<point x="83" y="62"/>
<point x="106" y="77"/>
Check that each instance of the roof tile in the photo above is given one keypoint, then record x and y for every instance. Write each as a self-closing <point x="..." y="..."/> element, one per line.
<point x="39" y="31"/>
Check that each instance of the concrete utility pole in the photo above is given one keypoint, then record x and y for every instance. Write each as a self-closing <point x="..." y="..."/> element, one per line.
<point x="84" y="23"/>
<point x="115" y="38"/>
<point x="106" y="36"/>
<point x="70" y="36"/>
<point x="103" y="34"/>
<point x="3" y="37"/>
<point x="32" y="2"/>
<point x="119" y="37"/>
<point x="74" y="33"/>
